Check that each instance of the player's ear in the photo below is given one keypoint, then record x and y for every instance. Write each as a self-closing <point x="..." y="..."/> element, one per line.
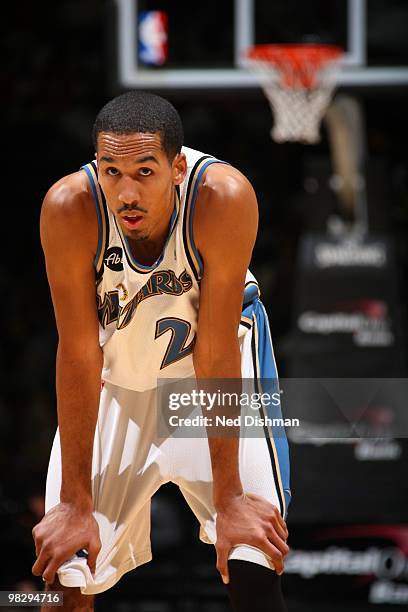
<point x="179" y="168"/>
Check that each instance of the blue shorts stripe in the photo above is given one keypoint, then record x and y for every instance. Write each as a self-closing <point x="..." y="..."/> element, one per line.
<point x="268" y="376"/>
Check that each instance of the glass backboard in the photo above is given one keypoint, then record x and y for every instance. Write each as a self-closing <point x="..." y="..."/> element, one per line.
<point x="205" y="47"/>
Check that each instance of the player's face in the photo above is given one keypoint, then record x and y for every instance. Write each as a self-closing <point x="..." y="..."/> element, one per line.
<point x="139" y="181"/>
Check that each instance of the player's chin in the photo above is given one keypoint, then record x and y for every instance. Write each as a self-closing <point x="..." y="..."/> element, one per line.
<point x="136" y="234"/>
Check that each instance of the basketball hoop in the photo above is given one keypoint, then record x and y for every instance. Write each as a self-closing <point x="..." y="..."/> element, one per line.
<point x="298" y="81"/>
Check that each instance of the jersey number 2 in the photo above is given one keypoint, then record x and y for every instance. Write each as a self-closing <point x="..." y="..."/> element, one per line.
<point x="177" y="348"/>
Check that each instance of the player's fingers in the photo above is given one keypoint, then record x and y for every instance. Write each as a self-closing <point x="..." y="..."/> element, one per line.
<point x="274" y="554"/>
<point x="51" y="569"/>
<point x="281" y="521"/>
<point x="58" y="557"/>
<point x="274" y="511"/>
<point x="93" y="551"/>
<point x="277" y="527"/>
<point x="40" y="564"/>
<point x="277" y="541"/>
<point x="271" y="512"/>
<point x="37" y="539"/>
<point x="278" y="519"/>
<point x="37" y="547"/>
<point x="222" y="562"/>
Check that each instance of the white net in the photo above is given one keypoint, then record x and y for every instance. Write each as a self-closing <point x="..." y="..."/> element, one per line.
<point x="297" y="109"/>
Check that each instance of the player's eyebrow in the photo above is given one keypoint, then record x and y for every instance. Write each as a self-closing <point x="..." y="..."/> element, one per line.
<point x="138" y="160"/>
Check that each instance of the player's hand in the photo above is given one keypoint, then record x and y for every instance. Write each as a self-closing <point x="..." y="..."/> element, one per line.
<point x="63" y="531"/>
<point x="250" y="519"/>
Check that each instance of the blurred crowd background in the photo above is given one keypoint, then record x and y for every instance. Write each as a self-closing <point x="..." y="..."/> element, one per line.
<point x="58" y="69"/>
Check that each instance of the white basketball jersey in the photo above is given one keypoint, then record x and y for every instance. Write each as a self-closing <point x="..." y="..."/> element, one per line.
<point x="148" y="314"/>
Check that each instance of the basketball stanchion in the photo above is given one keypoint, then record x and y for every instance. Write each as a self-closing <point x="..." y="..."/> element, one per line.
<point x="298" y="81"/>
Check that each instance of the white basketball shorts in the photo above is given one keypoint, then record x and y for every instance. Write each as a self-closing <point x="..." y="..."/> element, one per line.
<point x="130" y="463"/>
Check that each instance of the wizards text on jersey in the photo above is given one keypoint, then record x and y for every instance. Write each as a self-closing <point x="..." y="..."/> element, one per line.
<point x="161" y="281"/>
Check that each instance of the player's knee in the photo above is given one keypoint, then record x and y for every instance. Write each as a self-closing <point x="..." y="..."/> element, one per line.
<point x="74" y="600"/>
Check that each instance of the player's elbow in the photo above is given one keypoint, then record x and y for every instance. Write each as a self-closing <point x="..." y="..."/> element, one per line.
<point x="87" y="355"/>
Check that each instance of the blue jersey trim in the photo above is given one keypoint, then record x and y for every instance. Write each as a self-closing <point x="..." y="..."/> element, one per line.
<point x="191" y="212"/>
<point x="186" y="212"/>
<point x="100" y="211"/>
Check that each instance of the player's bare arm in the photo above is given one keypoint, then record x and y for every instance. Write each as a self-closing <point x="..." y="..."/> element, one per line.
<point x="225" y="228"/>
<point x="69" y="239"/>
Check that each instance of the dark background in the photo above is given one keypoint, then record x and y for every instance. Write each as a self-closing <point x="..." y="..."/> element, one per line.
<point x="58" y="69"/>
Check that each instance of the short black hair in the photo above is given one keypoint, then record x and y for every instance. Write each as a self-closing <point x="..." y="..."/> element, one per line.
<point x="141" y="112"/>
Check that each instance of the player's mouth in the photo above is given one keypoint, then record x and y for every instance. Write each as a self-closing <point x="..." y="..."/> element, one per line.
<point x="132" y="221"/>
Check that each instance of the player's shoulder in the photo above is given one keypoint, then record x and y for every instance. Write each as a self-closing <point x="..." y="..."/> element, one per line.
<point x="68" y="214"/>
<point x="226" y="199"/>
<point x="225" y="181"/>
<point x="70" y="197"/>
<point x="226" y="192"/>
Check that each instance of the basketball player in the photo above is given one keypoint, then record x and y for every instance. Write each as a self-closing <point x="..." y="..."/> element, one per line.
<point x="147" y="252"/>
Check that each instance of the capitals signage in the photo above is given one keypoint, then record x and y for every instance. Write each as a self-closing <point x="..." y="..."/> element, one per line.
<point x="364" y="563"/>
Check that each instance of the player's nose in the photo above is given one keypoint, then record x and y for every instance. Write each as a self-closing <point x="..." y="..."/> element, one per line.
<point x="128" y="191"/>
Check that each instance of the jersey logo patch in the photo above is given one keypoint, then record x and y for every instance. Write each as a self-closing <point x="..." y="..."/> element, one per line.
<point x="113" y="259"/>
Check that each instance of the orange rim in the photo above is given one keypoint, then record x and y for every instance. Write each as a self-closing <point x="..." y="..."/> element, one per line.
<point x="298" y="64"/>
